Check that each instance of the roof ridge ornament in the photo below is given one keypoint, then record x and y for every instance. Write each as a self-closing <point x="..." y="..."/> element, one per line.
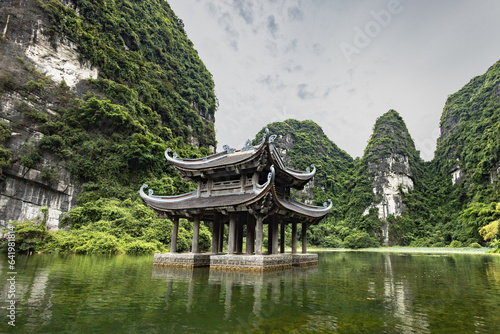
<point x="265" y="137"/>
<point x="308" y="170"/>
<point x="142" y="193"/>
<point x="248" y="146"/>
<point x="270" y="179"/>
<point x="271" y="175"/>
<point x="165" y="199"/>
<point x="329" y="206"/>
<point x="228" y="149"/>
<point x="196" y="161"/>
<point x="174" y="155"/>
<point x="150" y="192"/>
<point x="324" y="208"/>
<point x="272" y="138"/>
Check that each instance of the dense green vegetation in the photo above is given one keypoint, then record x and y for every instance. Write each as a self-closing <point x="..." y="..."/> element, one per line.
<point x="471" y="123"/>
<point x="153" y="92"/>
<point x="391" y="137"/>
<point x="145" y="60"/>
<point x="338" y="177"/>
<point x="5" y="154"/>
<point x="444" y="213"/>
<point x="437" y="213"/>
<point x="106" y="226"/>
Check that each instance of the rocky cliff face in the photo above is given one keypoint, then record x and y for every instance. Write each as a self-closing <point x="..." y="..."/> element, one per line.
<point x="390" y="159"/>
<point x="24" y="190"/>
<point x="25" y="48"/>
<point x="390" y="177"/>
<point x="91" y="94"/>
<point x="26" y="34"/>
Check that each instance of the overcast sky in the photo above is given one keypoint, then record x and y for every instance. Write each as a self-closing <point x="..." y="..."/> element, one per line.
<point x="339" y="63"/>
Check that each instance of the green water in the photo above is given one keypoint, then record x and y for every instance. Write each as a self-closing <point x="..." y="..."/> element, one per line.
<point x="346" y="293"/>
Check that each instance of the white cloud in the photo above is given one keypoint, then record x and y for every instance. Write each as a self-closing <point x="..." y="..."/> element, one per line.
<point x="281" y="59"/>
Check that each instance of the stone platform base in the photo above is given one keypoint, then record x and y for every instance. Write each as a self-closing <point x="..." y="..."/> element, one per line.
<point x="251" y="262"/>
<point x="235" y="261"/>
<point x="187" y="260"/>
<point x="302" y="260"/>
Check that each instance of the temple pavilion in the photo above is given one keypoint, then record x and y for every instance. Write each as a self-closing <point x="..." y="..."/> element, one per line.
<point x="244" y="189"/>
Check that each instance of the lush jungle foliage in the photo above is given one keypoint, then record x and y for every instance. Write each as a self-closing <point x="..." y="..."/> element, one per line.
<point x="153" y="93"/>
<point x="338" y="177"/>
<point x="470" y="130"/>
<point x="437" y="213"/>
<point x="391" y="137"/>
<point x="106" y="226"/>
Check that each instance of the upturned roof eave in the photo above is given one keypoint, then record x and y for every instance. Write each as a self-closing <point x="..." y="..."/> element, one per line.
<point x="194" y="167"/>
<point x="173" y="204"/>
<point x="222" y="161"/>
<point x="304" y="210"/>
<point x="167" y="203"/>
<point x="302" y="177"/>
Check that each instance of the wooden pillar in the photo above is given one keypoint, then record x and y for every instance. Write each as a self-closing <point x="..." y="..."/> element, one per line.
<point x="282" y="239"/>
<point x="175" y="232"/>
<point x="294" y="238"/>
<point x="239" y="240"/>
<point x="221" y="233"/>
<point x="275" y="236"/>
<point x="195" y="247"/>
<point x="304" y="238"/>
<point x="259" y="229"/>
<point x="215" y="236"/>
<point x="236" y="233"/>
<point x="250" y="235"/>
<point x="231" y="239"/>
<point x="270" y="227"/>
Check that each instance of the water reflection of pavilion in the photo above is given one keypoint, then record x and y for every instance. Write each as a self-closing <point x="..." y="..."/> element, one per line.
<point x="252" y="293"/>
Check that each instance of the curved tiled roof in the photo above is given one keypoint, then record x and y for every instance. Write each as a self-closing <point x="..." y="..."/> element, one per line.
<point x="296" y="174"/>
<point x="306" y="209"/>
<point x="221" y="159"/>
<point x="231" y="157"/>
<point x="191" y="201"/>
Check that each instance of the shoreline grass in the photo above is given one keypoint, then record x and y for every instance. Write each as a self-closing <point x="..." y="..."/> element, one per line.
<point x="401" y="249"/>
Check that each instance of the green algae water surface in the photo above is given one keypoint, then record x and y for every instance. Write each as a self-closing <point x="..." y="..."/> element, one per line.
<point x="348" y="292"/>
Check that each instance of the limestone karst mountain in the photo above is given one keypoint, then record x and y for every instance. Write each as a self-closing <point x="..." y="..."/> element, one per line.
<point x="391" y="163"/>
<point x="91" y="95"/>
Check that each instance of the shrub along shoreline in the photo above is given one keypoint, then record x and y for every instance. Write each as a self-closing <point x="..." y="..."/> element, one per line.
<point x="110" y="226"/>
<point x="398" y="249"/>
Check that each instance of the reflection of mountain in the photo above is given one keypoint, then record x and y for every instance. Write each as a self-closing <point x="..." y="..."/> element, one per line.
<point x="349" y="292"/>
<point x="33" y="297"/>
<point x="401" y="300"/>
<point x="258" y="293"/>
